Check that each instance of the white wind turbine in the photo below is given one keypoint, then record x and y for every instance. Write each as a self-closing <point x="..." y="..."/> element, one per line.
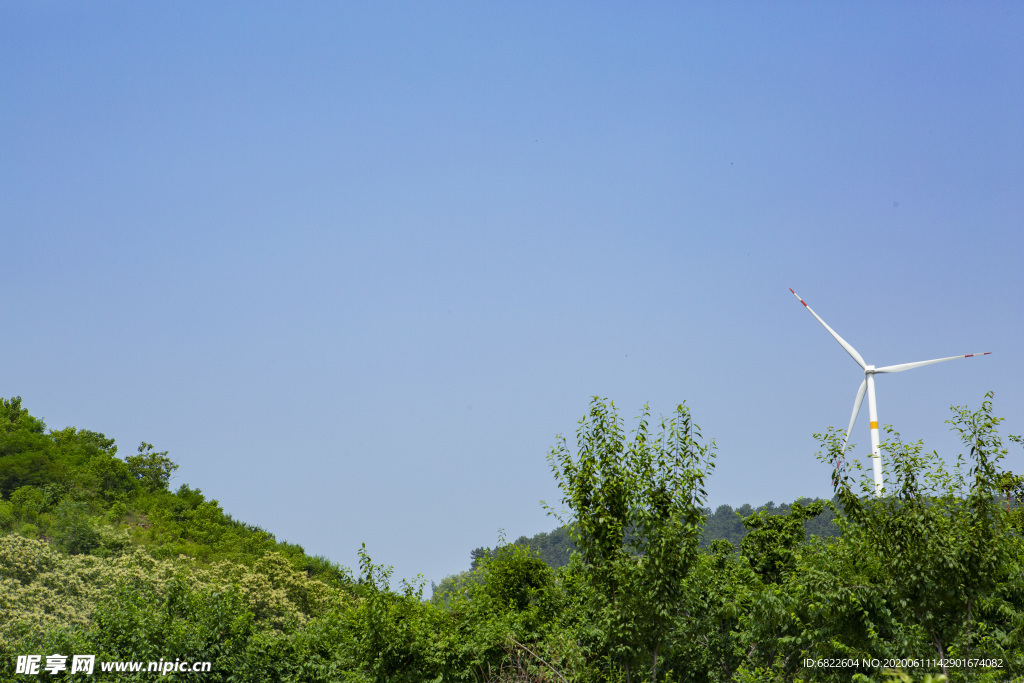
<point x="869" y="384"/>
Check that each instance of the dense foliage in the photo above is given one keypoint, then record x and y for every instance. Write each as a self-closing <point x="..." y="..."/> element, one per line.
<point x="725" y="523"/>
<point x="98" y="556"/>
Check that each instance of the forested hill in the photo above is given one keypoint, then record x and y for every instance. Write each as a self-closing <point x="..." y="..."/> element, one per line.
<point x="725" y="523"/>
<point x="70" y="488"/>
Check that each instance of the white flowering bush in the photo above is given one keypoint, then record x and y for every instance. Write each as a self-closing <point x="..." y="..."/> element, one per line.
<point x="42" y="589"/>
<point x="276" y="592"/>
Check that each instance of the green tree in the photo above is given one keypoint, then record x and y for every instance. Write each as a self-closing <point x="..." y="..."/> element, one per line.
<point x="707" y="645"/>
<point x="941" y="539"/>
<point x="636" y="519"/>
<point x="90" y="467"/>
<point x="29" y="502"/>
<point x="26" y="453"/>
<point x="152" y="470"/>
<point x="772" y="539"/>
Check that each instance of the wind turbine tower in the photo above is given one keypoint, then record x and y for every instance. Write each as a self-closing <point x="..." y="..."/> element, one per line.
<point x="869" y="385"/>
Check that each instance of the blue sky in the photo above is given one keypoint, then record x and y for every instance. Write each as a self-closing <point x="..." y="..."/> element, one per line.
<point x="356" y="266"/>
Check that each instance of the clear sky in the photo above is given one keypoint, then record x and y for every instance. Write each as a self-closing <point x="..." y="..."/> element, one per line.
<point x="355" y="265"/>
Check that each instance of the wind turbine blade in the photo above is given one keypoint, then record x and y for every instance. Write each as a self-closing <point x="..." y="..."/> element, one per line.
<point x="842" y="342"/>
<point x="856" y="410"/>
<point x="910" y="366"/>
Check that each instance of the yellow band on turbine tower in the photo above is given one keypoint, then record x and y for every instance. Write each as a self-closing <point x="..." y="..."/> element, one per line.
<point x="874" y="425"/>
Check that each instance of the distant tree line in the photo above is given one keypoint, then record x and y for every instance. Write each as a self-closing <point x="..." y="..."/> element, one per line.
<point x="725" y="524"/>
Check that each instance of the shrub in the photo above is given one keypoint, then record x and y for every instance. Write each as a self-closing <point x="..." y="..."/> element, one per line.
<point x="71" y="529"/>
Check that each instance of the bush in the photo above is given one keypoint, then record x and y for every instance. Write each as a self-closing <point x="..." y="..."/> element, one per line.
<point x="71" y="529"/>
<point x="6" y="514"/>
